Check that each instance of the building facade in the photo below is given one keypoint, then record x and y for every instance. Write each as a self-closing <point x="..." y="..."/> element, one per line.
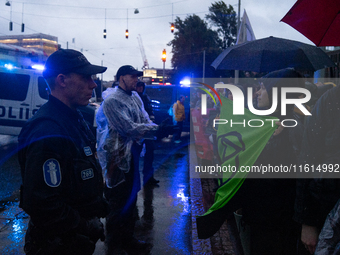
<point x="24" y="51"/>
<point x="40" y="42"/>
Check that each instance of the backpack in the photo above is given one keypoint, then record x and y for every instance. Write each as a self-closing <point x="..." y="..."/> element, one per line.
<point x="171" y="111"/>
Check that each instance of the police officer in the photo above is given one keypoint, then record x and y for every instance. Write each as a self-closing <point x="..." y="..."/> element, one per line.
<point x="62" y="188"/>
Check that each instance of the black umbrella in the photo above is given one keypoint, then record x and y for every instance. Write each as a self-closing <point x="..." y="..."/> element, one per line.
<point x="270" y="54"/>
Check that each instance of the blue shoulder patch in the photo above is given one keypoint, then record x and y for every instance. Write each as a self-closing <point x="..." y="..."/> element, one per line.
<point x="52" y="173"/>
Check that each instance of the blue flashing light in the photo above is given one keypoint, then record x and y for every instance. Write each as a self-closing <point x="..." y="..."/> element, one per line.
<point x="155" y="101"/>
<point x="9" y="66"/>
<point x="38" y="67"/>
<point x="185" y="82"/>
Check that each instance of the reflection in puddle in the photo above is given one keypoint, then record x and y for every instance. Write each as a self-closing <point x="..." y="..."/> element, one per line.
<point x="13" y="228"/>
<point x="18" y="230"/>
<point x="179" y="189"/>
<point x="184" y="200"/>
<point x="15" y="238"/>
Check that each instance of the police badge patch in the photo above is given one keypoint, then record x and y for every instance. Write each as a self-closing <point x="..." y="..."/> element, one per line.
<point x="88" y="151"/>
<point x="52" y="173"/>
<point x="87" y="174"/>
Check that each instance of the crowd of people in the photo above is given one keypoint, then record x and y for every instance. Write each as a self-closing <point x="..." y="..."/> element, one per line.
<point x="285" y="216"/>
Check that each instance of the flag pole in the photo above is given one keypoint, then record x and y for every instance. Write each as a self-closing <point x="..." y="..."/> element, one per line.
<point x="203" y="66"/>
<point x="237" y="73"/>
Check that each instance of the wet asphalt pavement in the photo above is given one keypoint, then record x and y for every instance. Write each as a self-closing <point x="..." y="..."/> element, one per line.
<point x="164" y="211"/>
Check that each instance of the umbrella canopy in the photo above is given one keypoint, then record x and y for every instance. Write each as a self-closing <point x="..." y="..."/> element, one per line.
<point x="270" y="54"/>
<point x="318" y="20"/>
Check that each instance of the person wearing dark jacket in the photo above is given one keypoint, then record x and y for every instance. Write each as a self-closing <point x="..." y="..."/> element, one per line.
<point x="329" y="238"/>
<point x="268" y="204"/>
<point x="62" y="184"/>
<point x="148" y="170"/>
<point x="140" y="88"/>
<point x="320" y="145"/>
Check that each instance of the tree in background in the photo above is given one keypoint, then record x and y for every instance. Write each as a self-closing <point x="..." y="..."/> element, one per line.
<point x="224" y="18"/>
<point x="191" y="38"/>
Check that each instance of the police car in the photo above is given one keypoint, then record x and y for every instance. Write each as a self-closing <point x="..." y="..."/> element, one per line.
<point x="22" y="93"/>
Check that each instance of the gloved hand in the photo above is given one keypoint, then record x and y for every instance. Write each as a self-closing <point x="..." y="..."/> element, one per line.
<point x="95" y="230"/>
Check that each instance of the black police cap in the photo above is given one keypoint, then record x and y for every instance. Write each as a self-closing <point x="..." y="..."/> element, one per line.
<point x="69" y="61"/>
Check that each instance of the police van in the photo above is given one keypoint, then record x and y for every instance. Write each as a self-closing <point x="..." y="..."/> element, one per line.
<point x="22" y="93"/>
<point x="163" y="97"/>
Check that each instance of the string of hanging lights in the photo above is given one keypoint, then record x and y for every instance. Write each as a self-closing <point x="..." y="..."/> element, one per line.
<point x="104" y="33"/>
<point x="172" y="27"/>
<point x="136" y="11"/>
<point x="9" y="3"/>
<point x="22" y="22"/>
<point x="127" y="24"/>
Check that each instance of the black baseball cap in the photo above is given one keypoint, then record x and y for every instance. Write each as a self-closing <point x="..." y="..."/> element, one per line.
<point x="124" y="70"/>
<point x="69" y="61"/>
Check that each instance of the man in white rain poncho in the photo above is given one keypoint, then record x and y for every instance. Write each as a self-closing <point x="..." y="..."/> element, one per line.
<point x="122" y="125"/>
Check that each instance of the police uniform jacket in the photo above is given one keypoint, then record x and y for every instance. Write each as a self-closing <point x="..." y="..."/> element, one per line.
<point x="62" y="180"/>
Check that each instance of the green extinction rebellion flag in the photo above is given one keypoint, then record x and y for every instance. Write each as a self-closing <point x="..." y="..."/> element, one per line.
<point x="240" y="139"/>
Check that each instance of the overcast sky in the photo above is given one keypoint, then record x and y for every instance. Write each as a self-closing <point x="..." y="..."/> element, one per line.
<point x="85" y="20"/>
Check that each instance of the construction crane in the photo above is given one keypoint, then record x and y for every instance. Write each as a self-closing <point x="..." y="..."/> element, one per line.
<point x="141" y="47"/>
